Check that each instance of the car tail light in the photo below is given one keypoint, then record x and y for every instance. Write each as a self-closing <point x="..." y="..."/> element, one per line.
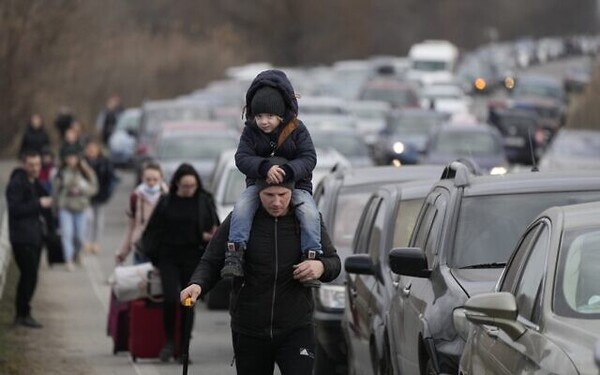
<point x="480" y="84"/>
<point x="141" y="149"/>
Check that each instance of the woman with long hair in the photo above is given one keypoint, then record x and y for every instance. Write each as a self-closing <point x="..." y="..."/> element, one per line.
<point x="74" y="185"/>
<point x="180" y="227"/>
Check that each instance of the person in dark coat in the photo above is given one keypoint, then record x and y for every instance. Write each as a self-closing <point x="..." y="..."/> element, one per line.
<point x="64" y="119"/>
<point x="108" y="117"/>
<point x="181" y="225"/>
<point x="273" y="129"/>
<point x="105" y="173"/>
<point x="271" y="312"/>
<point x="35" y="137"/>
<point x="27" y="203"/>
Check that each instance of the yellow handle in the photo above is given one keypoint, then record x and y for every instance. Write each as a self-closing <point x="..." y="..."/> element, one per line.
<point x="188" y="302"/>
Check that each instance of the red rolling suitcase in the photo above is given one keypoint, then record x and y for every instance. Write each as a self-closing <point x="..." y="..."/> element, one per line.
<point x="118" y="324"/>
<point x="146" y="332"/>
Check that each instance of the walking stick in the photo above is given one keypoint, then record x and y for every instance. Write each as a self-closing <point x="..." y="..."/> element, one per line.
<point x="187" y="324"/>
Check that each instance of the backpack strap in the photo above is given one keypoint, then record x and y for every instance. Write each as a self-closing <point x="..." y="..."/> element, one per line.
<point x="287" y="131"/>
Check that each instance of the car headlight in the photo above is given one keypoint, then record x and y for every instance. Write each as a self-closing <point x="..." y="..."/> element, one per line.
<point x="332" y="296"/>
<point x="497" y="171"/>
<point x="398" y="147"/>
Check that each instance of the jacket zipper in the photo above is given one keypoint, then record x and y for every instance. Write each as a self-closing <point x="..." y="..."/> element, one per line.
<point x="275" y="281"/>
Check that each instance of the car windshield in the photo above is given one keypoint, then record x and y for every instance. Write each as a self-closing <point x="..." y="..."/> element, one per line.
<point x="546" y="91"/>
<point x="128" y="121"/>
<point x="466" y="143"/>
<point x="577" y="293"/>
<point x="350" y="205"/>
<point x="578" y="145"/>
<point x="157" y="116"/>
<point x="429" y="65"/>
<point x="349" y="145"/>
<point x="489" y="226"/>
<point x="399" y="96"/>
<point x="189" y="146"/>
<point x="235" y="184"/>
<point x="412" y="125"/>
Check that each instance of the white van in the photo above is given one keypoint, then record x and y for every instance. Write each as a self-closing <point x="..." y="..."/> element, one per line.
<point x="432" y="61"/>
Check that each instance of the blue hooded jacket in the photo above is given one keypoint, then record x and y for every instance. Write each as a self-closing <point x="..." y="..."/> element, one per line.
<point x="290" y="140"/>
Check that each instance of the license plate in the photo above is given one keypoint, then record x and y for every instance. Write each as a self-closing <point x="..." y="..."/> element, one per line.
<point x="514" y="141"/>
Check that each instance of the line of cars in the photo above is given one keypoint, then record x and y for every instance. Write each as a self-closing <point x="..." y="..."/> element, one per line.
<point x="419" y="250"/>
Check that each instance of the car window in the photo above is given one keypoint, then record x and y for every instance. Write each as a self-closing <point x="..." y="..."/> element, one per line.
<point x="532" y="275"/>
<point x="426" y="218"/>
<point x="489" y="226"/>
<point x="234" y="186"/>
<point x="405" y="221"/>
<point x="365" y="226"/>
<point x="577" y="291"/>
<point x="431" y="246"/>
<point x="377" y="234"/>
<point x="349" y="207"/>
<point x="509" y="279"/>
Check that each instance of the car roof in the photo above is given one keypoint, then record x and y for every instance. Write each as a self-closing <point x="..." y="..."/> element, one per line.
<point x="579" y="215"/>
<point x="531" y="182"/>
<point x="384" y="174"/>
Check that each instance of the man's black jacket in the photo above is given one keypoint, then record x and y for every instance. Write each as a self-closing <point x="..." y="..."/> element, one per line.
<point x="268" y="301"/>
<point x="24" y="210"/>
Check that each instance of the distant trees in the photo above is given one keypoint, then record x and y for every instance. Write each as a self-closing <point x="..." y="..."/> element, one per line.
<point x="76" y="53"/>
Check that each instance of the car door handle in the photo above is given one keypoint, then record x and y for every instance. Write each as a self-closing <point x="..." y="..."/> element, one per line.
<point x="406" y="290"/>
<point x="395" y="284"/>
<point x="491" y="331"/>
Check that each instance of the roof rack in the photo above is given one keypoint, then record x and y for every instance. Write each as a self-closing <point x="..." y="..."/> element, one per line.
<point x="460" y="171"/>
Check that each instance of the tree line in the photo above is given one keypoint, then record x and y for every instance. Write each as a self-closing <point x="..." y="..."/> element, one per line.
<point x="77" y="53"/>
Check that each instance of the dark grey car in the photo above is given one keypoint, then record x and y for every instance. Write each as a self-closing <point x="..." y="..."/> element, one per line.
<point x="341" y="197"/>
<point x="465" y="233"/>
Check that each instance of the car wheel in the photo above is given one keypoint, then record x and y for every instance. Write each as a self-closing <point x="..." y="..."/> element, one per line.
<point x="323" y="364"/>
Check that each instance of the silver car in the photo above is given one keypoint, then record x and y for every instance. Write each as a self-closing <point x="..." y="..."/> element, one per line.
<point x="544" y="317"/>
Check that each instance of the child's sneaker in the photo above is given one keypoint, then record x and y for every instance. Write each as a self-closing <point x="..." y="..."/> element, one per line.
<point x="234" y="260"/>
<point x="310" y="255"/>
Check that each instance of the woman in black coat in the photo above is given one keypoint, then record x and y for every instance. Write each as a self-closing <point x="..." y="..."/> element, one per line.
<point x="180" y="227"/>
<point x="35" y="137"/>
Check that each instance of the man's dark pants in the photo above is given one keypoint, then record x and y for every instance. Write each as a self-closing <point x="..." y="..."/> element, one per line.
<point x="293" y="353"/>
<point x="27" y="258"/>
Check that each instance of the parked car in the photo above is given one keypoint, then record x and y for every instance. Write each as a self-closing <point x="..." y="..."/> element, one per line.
<point x="539" y="86"/>
<point x="329" y="122"/>
<point x="399" y="93"/>
<point x="573" y="149"/>
<point x="322" y="105"/>
<point x="524" y="137"/>
<point x="446" y="98"/>
<point x="577" y="77"/>
<point x="226" y="183"/>
<point x="405" y="136"/>
<point x="387" y="222"/>
<point x="543" y="317"/>
<point x="155" y="113"/>
<point x="198" y="143"/>
<point x="341" y="197"/>
<point x="463" y="237"/>
<point x="370" y="118"/>
<point x="480" y="142"/>
<point x="345" y="141"/>
<point x="122" y="141"/>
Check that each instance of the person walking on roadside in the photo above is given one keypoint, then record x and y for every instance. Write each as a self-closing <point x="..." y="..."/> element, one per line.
<point x="142" y="201"/>
<point x="181" y="225"/>
<point x="273" y="129"/>
<point x="27" y="202"/>
<point x="72" y="140"/>
<point x="271" y="311"/>
<point x="35" y="137"/>
<point x="108" y="117"/>
<point x="74" y="185"/>
<point x="107" y="180"/>
<point x="63" y="120"/>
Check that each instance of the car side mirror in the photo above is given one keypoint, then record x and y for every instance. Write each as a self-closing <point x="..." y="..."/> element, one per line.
<point x="409" y="261"/>
<point x="360" y="264"/>
<point x="495" y="309"/>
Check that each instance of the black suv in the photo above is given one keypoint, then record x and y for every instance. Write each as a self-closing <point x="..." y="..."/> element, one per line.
<point x="341" y="197"/>
<point x="463" y="237"/>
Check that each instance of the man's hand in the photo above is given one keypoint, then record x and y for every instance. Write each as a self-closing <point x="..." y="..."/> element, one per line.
<point x="308" y="270"/>
<point x="275" y="175"/>
<point x="193" y="291"/>
<point x="45" y="202"/>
